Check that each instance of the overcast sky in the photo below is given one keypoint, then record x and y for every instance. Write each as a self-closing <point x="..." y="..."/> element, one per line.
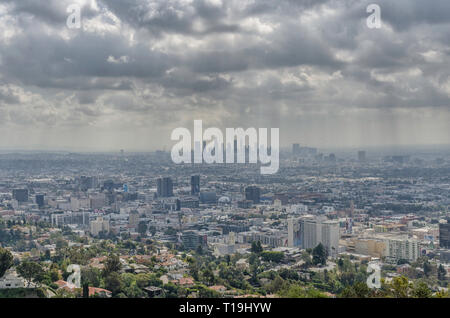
<point x="137" y="69"/>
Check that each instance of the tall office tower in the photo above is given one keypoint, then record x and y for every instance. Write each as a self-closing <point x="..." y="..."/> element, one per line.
<point x="444" y="235"/>
<point x="40" y="200"/>
<point x="21" y="195"/>
<point x="133" y="219"/>
<point x="164" y="187"/>
<point x="361" y="156"/>
<point x="308" y="232"/>
<point x="159" y="187"/>
<point x="235" y="150"/>
<point x="295" y="149"/>
<point x="330" y="237"/>
<point x="294" y="232"/>
<point x="195" y="185"/>
<point x="253" y="193"/>
<point x="193" y="239"/>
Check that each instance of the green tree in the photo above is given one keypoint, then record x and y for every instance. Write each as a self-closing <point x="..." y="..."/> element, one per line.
<point x="61" y="244"/>
<point x="113" y="283"/>
<point x="145" y="280"/>
<point x="441" y="273"/>
<point x="340" y="264"/>
<point x="112" y="264"/>
<point x="31" y="271"/>
<point x="427" y="268"/>
<point x="133" y="291"/>
<point x="297" y="291"/>
<point x="358" y="290"/>
<point x="256" y="247"/>
<point x="319" y="254"/>
<point x="91" y="276"/>
<point x="142" y="228"/>
<point x="208" y="276"/>
<point x="204" y="292"/>
<point x="270" y="256"/>
<point x="400" y="287"/>
<point x="47" y="255"/>
<point x="421" y="290"/>
<point x="6" y="261"/>
<point x="277" y="285"/>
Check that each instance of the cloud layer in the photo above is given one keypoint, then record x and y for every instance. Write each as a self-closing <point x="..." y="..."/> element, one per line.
<point x="137" y="69"/>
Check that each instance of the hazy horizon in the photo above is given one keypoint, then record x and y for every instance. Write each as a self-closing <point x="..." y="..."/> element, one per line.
<point x="370" y="150"/>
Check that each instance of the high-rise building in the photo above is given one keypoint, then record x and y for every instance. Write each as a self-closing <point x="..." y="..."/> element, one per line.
<point x="21" y="195"/>
<point x="295" y="149"/>
<point x="308" y="232"/>
<point x="99" y="225"/>
<point x="253" y="193"/>
<point x="294" y="233"/>
<point x="164" y="187"/>
<point x="134" y="219"/>
<point x="330" y="237"/>
<point x="40" y="200"/>
<point x="361" y="156"/>
<point x="402" y="249"/>
<point x="193" y="239"/>
<point x="444" y="235"/>
<point x="208" y="197"/>
<point x="195" y="185"/>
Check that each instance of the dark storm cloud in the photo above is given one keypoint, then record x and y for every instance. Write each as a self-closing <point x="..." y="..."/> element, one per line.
<point x="286" y="48"/>
<point x="37" y="57"/>
<point x="172" y="16"/>
<point x="404" y="14"/>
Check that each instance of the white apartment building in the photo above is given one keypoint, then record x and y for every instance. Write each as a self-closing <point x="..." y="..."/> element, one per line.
<point x="99" y="225"/>
<point x="330" y="237"/>
<point x="308" y="232"/>
<point x="401" y="248"/>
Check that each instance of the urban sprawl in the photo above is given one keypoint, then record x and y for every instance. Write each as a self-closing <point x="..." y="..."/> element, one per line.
<point x="140" y="226"/>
